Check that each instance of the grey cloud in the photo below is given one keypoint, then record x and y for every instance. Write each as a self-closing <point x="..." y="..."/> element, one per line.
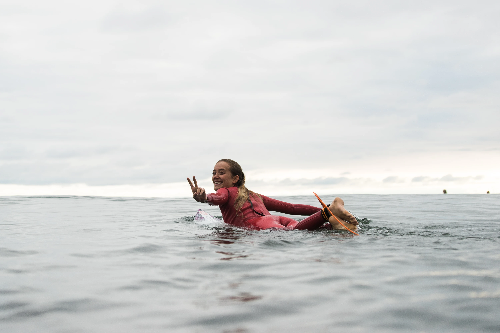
<point x="97" y="173"/>
<point x="446" y="178"/>
<point x="315" y="181"/>
<point x="392" y="179"/>
<point x="205" y="110"/>
<point x="319" y="182"/>
<point x="195" y="115"/>
<point x="4" y="120"/>
<point x="129" y="21"/>
<point x="420" y="179"/>
<point x="68" y="151"/>
<point x="450" y="178"/>
<point x="359" y="79"/>
<point x="446" y="77"/>
<point x="18" y="153"/>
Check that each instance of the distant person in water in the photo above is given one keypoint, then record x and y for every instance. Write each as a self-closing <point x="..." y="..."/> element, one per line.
<point x="244" y="208"/>
<point x="444" y="192"/>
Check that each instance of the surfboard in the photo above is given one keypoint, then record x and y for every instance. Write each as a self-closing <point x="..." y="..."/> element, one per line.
<point x="205" y="218"/>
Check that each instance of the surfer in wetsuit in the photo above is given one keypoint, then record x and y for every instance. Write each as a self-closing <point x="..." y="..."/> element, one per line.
<point x="244" y="208"/>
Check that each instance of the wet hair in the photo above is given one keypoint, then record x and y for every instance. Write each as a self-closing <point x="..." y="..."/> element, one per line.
<point x="243" y="193"/>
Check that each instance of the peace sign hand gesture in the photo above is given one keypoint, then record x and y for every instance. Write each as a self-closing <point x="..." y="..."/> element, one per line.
<point x="198" y="192"/>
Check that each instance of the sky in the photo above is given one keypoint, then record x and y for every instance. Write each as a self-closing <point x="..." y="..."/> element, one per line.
<point x="129" y="98"/>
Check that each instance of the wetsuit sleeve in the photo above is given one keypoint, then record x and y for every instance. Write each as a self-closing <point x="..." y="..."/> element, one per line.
<point x="288" y="208"/>
<point x="218" y="198"/>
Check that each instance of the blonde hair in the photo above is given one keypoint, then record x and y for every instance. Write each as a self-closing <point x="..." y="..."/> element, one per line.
<point x="243" y="193"/>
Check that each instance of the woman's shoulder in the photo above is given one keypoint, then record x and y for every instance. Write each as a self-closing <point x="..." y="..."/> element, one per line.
<point x="230" y="190"/>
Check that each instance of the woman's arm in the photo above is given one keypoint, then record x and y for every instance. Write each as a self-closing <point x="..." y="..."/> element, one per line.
<point x="288" y="208"/>
<point x="218" y="198"/>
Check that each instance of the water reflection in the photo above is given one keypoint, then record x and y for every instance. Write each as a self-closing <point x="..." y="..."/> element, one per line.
<point x="225" y="236"/>
<point x="231" y="255"/>
<point x="241" y="297"/>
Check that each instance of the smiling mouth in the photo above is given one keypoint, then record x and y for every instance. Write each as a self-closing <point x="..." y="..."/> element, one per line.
<point x="217" y="183"/>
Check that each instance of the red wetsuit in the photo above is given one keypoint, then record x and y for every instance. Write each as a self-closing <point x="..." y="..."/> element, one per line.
<point x="255" y="214"/>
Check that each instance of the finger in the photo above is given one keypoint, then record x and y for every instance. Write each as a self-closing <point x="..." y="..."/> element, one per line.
<point x="192" y="187"/>
<point x="195" y="182"/>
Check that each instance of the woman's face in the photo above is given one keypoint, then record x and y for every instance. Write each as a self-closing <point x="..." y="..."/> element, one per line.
<point x="222" y="177"/>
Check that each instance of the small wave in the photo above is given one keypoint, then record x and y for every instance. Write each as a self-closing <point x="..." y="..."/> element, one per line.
<point x="273" y="243"/>
<point x="25" y="310"/>
<point x="12" y="305"/>
<point x="5" y="252"/>
<point x="146" y="248"/>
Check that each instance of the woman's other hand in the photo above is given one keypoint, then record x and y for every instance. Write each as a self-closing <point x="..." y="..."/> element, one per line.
<point x="199" y="193"/>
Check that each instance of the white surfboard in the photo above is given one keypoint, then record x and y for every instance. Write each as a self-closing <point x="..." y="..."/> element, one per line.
<point x="205" y="218"/>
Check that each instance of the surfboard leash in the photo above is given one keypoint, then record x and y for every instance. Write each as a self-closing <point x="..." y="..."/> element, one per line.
<point x="325" y="206"/>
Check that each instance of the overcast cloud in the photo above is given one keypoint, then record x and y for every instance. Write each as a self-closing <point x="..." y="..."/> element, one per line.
<point x="356" y="97"/>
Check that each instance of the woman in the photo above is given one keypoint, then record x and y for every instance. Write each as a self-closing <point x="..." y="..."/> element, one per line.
<point x="244" y="208"/>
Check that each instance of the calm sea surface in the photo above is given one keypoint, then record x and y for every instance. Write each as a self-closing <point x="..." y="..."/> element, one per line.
<point x="422" y="263"/>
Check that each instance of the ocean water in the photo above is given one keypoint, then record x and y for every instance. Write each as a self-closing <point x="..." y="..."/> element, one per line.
<point x="422" y="263"/>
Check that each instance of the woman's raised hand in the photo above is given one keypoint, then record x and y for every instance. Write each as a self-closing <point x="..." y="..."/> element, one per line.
<point x="198" y="192"/>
